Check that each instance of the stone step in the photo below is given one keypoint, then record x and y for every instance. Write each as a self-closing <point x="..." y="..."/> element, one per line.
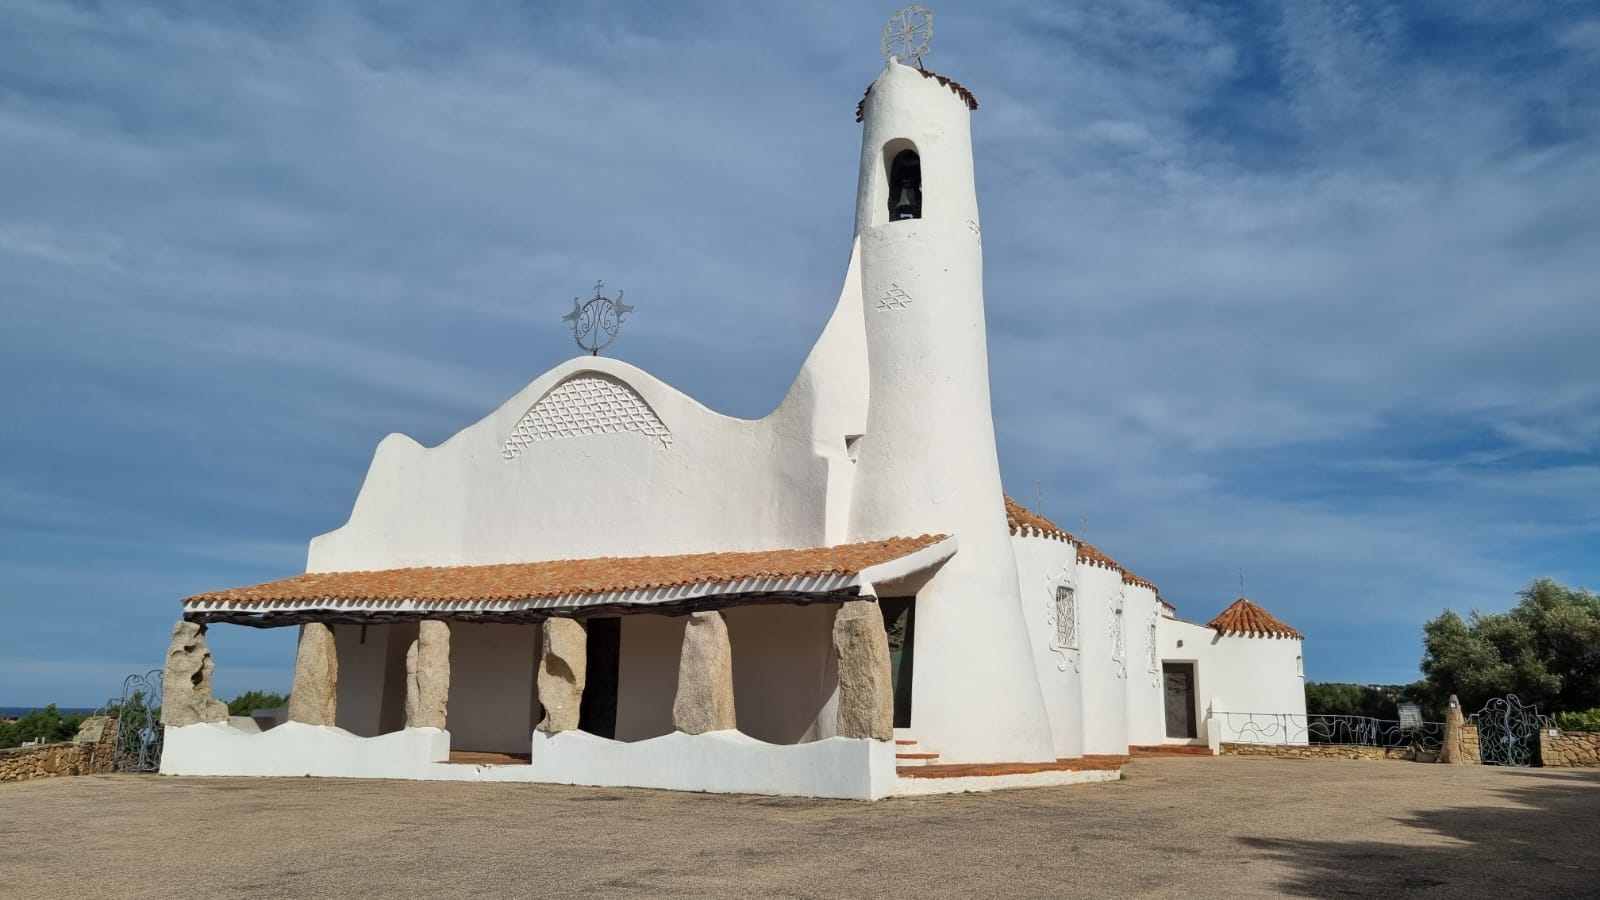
<point x="915" y="759"/>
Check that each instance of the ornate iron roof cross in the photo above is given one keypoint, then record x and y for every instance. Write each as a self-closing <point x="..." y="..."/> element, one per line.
<point x="596" y="321"/>
<point x="908" y="33"/>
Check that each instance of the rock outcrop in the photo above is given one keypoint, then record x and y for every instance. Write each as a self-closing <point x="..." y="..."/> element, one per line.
<point x="563" y="669"/>
<point x="186" y="682"/>
<point x="866" y="698"/>
<point x="704" y="701"/>
<point x="314" y="698"/>
<point x="428" y="676"/>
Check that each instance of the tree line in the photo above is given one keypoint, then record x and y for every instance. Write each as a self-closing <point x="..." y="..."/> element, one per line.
<point x="50" y="724"/>
<point x="1545" y="649"/>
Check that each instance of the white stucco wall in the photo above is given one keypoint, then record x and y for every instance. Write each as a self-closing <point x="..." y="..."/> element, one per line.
<point x="369" y="680"/>
<point x="784" y="671"/>
<point x="927" y="462"/>
<point x="1147" y="723"/>
<point x="1042" y="565"/>
<point x="1236" y="674"/>
<point x="1104" y="679"/>
<point x="670" y="466"/>
<point x="647" y="675"/>
<point x="492" y="686"/>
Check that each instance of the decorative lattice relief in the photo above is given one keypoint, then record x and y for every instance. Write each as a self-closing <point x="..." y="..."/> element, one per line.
<point x="585" y="405"/>
<point x="1119" y="650"/>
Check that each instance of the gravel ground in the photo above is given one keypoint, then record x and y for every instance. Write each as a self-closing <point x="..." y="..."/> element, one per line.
<point x="1230" y="827"/>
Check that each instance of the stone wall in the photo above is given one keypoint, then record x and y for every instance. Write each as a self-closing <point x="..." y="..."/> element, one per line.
<point x="1569" y="749"/>
<point x="90" y="755"/>
<point x="1469" y="744"/>
<point x="1325" y="751"/>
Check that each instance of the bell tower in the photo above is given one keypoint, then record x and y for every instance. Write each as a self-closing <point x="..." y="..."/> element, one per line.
<point x="927" y="463"/>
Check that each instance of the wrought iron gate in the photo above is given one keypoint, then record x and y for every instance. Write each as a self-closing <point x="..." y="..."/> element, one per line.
<point x="1508" y="732"/>
<point x="137" y="747"/>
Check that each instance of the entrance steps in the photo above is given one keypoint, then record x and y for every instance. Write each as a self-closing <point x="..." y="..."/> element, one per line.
<point x="1138" y="751"/>
<point x="909" y="752"/>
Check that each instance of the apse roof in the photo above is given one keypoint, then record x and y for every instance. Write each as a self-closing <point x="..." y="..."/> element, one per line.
<point x="1249" y="620"/>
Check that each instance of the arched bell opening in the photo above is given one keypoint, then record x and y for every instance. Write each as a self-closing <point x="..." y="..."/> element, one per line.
<point x="905" y="181"/>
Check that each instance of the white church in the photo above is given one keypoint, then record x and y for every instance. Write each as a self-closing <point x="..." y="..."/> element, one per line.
<point x="836" y="600"/>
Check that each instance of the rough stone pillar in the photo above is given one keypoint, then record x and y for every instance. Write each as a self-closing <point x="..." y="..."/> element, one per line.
<point x="705" y="677"/>
<point x="186" y="680"/>
<point x="1450" y="750"/>
<point x="563" y="669"/>
<point x="866" y="698"/>
<point x="428" y="676"/>
<point x="314" y="697"/>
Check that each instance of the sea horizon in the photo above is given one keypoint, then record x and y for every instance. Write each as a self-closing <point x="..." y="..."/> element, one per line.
<point x="17" y="712"/>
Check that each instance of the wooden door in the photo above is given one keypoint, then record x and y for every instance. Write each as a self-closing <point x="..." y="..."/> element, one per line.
<point x="1179" y="678"/>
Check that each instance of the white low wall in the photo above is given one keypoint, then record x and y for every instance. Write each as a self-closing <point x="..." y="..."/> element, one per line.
<point x="720" y="762"/>
<point x="294" y="749"/>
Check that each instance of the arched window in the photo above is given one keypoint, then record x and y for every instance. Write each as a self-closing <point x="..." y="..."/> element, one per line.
<point x="905" y="186"/>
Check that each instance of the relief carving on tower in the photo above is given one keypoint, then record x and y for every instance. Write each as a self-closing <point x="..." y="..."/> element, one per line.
<point x="894" y="298"/>
<point x="584" y="405"/>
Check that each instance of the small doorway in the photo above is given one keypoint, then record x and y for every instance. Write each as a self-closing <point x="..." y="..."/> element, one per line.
<point x="597" y="711"/>
<point x="1179" y="679"/>
<point x="900" y="620"/>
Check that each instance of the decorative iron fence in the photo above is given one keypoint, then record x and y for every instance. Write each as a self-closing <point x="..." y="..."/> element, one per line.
<point x="1508" y="732"/>
<point x="1362" y="731"/>
<point x="138" y="715"/>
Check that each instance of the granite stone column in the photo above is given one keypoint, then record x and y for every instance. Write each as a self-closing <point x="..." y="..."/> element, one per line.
<point x="704" y="701"/>
<point x="186" y="680"/>
<point x="1450" y="750"/>
<point x="866" y="697"/>
<point x="428" y="675"/>
<point x="563" y="669"/>
<point x="314" y="698"/>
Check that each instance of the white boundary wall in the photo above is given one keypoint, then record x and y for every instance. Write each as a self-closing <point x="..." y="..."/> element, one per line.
<point x="717" y="762"/>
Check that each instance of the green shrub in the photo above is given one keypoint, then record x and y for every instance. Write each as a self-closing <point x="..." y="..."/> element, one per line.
<point x="1588" y="720"/>
<point x="243" y="704"/>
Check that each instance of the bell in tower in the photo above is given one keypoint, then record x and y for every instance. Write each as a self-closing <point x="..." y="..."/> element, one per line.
<point x="905" y="182"/>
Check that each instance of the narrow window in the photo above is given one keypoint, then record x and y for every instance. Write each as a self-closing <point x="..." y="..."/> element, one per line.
<point x="905" y="186"/>
<point x="1066" y="617"/>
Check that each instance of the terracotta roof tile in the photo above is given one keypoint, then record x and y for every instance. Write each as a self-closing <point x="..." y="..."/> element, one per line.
<point x="567" y="577"/>
<point x="1024" y="521"/>
<point x="1249" y="620"/>
<point x="1130" y="578"/>
<point x="1091" y="554"/>
<point x="951" y="83"/>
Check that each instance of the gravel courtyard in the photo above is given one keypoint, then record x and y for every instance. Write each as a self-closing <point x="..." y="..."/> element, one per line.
<point x="1229" y="827"/>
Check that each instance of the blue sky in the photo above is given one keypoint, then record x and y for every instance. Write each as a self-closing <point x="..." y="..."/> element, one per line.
<point x="1307" y="289"/>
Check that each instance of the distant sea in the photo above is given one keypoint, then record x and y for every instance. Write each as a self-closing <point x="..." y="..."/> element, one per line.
<point x="17" y="712"/>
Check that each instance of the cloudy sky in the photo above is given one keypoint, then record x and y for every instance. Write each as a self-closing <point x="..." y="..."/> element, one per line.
<point x="1304" y="289"/>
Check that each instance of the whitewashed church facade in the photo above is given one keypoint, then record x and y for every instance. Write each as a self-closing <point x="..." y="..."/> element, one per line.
<point x="834" y="600"/>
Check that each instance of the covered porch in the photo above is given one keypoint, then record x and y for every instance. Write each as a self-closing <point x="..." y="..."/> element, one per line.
<point x="758" y="671"/>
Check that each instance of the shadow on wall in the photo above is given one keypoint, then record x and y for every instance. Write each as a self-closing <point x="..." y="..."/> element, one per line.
<point x="1542" y="844"/>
